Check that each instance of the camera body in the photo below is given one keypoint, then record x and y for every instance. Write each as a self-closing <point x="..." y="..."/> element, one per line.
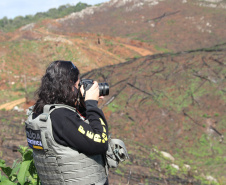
<point x="103" y="87"/>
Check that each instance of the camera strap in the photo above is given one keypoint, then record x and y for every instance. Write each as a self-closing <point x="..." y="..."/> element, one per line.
<point x="84" y="94"/>
<point x="79" y="97"/>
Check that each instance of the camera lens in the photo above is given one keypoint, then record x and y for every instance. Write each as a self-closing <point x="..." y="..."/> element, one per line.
<point x="104" y="89"/>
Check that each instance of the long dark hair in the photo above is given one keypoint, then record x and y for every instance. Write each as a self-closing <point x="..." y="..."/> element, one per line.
<point x="57" y="85"/>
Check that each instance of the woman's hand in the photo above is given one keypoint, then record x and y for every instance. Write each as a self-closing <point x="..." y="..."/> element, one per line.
<point x="92" y="93"/>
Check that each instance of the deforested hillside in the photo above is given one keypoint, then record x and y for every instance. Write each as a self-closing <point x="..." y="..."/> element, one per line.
<point x="175" y="102"/>
<point x="169" y="109"/>
<point x="165" y="62"/>
<point x="26" y="53"/>
<point x="174" y="25"/>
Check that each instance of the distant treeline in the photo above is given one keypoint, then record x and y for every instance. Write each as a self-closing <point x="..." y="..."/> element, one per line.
<point x="8" y="25"/>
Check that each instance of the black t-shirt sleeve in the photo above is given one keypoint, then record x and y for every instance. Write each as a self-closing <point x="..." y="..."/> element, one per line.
<point x="70" y="130"/>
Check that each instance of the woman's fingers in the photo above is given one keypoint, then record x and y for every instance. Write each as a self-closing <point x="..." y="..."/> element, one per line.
<point x="93" y="92"/>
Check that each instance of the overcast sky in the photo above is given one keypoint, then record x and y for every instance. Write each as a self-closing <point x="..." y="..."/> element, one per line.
<point x="13" y="8"/>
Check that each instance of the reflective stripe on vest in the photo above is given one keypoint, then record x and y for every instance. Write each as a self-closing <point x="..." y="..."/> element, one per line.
<point x="57" y="164"/>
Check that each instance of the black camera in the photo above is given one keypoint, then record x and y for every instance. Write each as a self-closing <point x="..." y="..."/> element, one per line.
<point x="103" y="87"/>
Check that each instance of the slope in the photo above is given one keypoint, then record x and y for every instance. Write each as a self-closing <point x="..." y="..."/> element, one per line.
<point x="175" y="25"/>
<point x="35" y="47"/>
<point x="171" y="102"/>
<point x="175" y="102"/>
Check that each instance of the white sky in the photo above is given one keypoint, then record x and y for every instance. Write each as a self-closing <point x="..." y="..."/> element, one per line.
<point x="13" y="8"/>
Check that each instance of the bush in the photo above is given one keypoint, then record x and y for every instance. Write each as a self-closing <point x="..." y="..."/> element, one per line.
<point x="23" y="171"/>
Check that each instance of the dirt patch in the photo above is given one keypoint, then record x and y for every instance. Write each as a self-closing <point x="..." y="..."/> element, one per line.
<point x="141" y="51"/>
<point x="11" y="105"/>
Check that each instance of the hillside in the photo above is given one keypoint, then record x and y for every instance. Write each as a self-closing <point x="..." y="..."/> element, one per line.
<point x="175" y="102"/>
<point x="165" y="102"/>
<point x="175" y="25"/>
<point x="165" y="63"/>
<point x="137" y="28"/>
<point x="35" y="47"/>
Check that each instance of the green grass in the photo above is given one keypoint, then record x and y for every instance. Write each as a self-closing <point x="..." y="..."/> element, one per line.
<point x="113" y="107"/>
<point x="118" y="171"/>
<point x="171" y="22"/>
<point x="109" y="43"/>
<point x="160" y="49"/>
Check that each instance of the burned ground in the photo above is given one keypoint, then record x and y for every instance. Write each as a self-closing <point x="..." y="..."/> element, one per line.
<point x="171" y="102"/>
<point x="175" y="102"/>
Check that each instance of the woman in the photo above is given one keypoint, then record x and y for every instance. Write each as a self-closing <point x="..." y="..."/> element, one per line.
<point x="68" y="147"/>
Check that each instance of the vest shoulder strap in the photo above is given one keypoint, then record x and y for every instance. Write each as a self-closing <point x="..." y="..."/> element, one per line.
<point x="48" y="109"/>
<point x="29" y="110"/>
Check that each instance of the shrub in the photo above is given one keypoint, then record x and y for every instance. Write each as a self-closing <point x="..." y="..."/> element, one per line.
<point x="23" y="171"/>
